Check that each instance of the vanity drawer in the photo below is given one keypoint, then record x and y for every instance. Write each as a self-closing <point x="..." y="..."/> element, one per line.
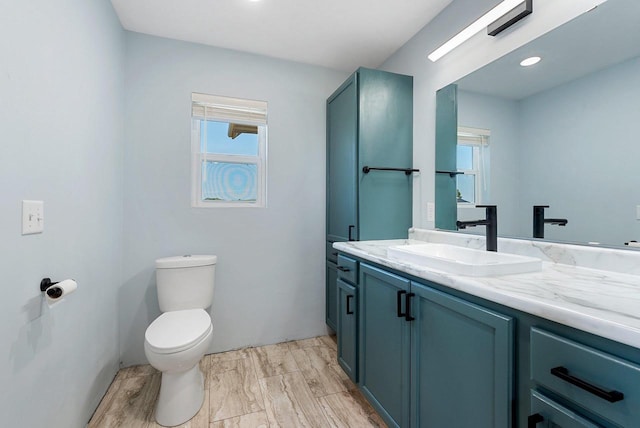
<point x="547" y="413"/>
<point x="347" y="269"/>
<point x="332" y="253"/>
<point x="602" y="383"/>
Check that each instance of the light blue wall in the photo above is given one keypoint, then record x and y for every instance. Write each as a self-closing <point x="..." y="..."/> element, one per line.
<point x="579" y="152"/>
<point x="270" y="273"/>
<point x="473" y="54"/>
<point x="61" y="110"/>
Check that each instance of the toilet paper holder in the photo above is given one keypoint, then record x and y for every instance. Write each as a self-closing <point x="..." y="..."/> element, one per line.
<point x="46" y="283"/>
<point x="56" y="291"/>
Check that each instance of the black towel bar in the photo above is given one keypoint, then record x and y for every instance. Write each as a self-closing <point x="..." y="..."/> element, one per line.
<point x="407" y="171"/>
<point x="451" y="173"/>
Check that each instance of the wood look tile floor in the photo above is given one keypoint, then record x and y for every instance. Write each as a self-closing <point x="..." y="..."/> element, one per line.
<point x="288" y="385"/>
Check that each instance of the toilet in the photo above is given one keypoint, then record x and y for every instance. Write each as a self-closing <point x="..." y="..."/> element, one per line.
<point x="176" y="341"/>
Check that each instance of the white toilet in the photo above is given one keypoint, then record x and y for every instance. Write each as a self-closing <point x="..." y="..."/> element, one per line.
<point x="176" y="341"/>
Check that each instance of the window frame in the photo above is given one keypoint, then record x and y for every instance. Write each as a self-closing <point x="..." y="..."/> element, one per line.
<point x="199" y="157"/>
<point x="474" y="138"/>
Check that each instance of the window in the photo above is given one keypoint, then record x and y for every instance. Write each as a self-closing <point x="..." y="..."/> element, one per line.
<point x="473" y="161"/>
<point x="229" y="151"/>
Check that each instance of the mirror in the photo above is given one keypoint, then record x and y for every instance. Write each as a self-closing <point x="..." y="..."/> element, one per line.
<point x="560" y="133"/>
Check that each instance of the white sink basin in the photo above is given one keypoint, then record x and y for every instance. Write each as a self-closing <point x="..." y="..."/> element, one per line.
<point x="464" y="261"/>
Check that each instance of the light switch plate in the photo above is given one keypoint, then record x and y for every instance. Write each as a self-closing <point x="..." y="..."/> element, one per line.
<point x="637" y="212"/>
<point x="32" y="217"/>
<point x="431" y="211"/>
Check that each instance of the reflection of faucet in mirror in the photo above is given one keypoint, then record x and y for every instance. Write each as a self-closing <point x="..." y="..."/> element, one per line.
<point x="490" y="222"/>
<point x="539" y="221"/>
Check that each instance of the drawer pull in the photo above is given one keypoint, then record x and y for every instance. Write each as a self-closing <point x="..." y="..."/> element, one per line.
<point x="343" y="269"/>
<point x="349" y="310"/>
<point x="399" y="303"/>
<point x="534" y="420"/>
<point x="334" y="254"/>
<point x="610" y="396"/>
<point x="407" y="307"/>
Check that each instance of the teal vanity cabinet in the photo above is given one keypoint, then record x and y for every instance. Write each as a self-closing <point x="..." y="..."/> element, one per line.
<point x="547" y="413"/>
<point x="331" y="296"/>
<point x="461" y="362"/>
<point x="347" y="331"/>
<point x="580" y="386"/>
<point x="432" y="356"/>
<point x="369" y="124"/>
<point x="431" y="359"/>
<point x="385" y="344"/>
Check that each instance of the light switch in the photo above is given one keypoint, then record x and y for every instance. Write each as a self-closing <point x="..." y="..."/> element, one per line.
<point x="637" y="212"/>
<point x="431" y="211"/>
<point x="32" y="217"/>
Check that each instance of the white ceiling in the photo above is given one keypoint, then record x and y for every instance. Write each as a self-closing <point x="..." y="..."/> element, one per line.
<point x="339" y="34"/>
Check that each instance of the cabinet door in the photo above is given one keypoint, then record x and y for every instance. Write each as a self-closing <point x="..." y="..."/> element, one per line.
<point x="547" y="413"/>
<point x="348" y="329"/>
<point x="342" y="121"/>
<point x="331" y="296"/>
<point x="462" y="363"/>
<point x="384" y="344"/>
<point x="385" y="139"/>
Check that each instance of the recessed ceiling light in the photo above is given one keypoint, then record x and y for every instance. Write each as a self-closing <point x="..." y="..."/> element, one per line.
<point x="530" y="61"/>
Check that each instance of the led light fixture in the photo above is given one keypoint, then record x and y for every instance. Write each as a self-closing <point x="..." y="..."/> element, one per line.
<point x="502" y="9"/>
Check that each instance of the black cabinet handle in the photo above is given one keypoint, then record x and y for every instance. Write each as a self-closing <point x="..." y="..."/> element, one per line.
<point x="349" y="298"/>
<point x="407" y="314"/>
<point x="343" y="269"/>
<point x="610" y="396"/>
<point x="334" y="254"/>
<point x="534" y="420"/>
<point x="351" y="227"/>
<point x="399" y="303"/>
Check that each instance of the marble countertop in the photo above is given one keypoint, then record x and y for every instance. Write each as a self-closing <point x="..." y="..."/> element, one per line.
<point x="601" y="302"/>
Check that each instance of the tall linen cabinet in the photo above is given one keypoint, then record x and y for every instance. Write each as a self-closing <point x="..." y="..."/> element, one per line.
<point x="369" y="126"/>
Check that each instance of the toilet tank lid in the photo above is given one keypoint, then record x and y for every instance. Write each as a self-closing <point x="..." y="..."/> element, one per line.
<point x="185" y="261"/>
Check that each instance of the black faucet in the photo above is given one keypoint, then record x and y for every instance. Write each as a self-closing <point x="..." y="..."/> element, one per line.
<point x="539" y="221"/>
<point x="490" y="222"/>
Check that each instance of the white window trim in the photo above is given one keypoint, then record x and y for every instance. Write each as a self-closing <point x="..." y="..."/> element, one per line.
<point x="198" y="157"/>
<point x="474" y="137"/>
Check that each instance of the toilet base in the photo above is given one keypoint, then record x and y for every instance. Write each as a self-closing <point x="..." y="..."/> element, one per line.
<point x="181" y="396"/>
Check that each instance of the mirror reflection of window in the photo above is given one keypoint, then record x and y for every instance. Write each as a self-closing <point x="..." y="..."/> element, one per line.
<point x="472" y="159"/>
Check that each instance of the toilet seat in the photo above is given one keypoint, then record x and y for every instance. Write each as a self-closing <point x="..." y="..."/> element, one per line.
<point x="177" y="331"/>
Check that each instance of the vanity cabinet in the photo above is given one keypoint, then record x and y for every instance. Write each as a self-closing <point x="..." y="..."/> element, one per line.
<point x="369" y="124"/>
<point x="547" y="413"/>
<point x="347" y="316"/>
<point x="592" y="382"/>
<point x="432" y="356"/>
<point x="431" y="359"/>
<point x="348" y="329"/>
<point x="385" y="344"/>
<point x="461" y="362"/>
<point x="331" y="296"/>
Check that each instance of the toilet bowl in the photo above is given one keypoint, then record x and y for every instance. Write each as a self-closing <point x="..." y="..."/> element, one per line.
<point x="176" y="341"/>
<point x="174" y="344"/>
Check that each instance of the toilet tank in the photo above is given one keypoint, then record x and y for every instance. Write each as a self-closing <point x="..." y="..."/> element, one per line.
<point x="185" y="282"/>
